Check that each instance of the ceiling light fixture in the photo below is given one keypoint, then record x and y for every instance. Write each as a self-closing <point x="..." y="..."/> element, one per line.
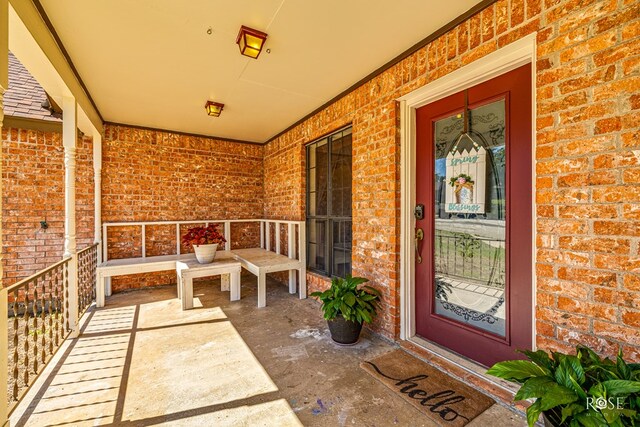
<point x="213" y="108"/>
<point x="251" y="41"/>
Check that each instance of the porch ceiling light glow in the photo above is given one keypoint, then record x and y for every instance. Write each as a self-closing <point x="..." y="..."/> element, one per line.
<point x="213" y="108"/>
<point x="251" y="41"/>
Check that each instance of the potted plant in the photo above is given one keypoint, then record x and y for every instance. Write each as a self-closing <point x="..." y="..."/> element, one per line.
<point x="576" y="390"/>
<point x="205" y="241"/>
<point x="346" y="306"/>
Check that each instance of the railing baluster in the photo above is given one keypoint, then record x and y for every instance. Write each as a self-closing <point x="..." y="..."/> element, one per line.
<point x="57" y="302"/>
<point x="51" y="285"/>
<point x="43" y="318"/>
<point x="67" y="328"/>
<point x="16" y="342"/>
<point x="26" y="335"/>
<point x="35" y="326"/>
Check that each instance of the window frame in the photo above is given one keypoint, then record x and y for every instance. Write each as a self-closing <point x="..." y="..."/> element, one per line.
<point x="327" y="218"/>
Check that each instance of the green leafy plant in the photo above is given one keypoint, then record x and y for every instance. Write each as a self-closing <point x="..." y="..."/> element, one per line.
<point x="467" y="245"/>
<point x="576" y="390"/>
<point x="346" y="298"/>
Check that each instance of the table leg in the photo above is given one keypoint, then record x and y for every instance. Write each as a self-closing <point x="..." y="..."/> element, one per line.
<point x="100" y="290"/>
<point x="224" y="282"/>
<point x="179" y="284"/>
<point x="303" y="283"/>
<point x="235" y="286"/>
<point x="292" y="281"/>
<point x="108" y="287"/>
<point x="187" y="292"/>
<point x="262" y="289"/>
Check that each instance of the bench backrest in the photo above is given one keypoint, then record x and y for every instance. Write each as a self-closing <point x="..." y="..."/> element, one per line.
<point x="269" y="228"/>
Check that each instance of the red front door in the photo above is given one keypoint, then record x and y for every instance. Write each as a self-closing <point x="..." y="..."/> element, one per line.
<point x="473" y="176"/>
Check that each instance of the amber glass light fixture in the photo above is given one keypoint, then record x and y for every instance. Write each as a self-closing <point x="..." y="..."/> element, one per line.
<point x="251" y="41"/>
<point x="213" y="108"/>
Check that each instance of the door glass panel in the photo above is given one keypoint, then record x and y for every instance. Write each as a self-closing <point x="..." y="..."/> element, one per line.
<point x="469" y="238"/>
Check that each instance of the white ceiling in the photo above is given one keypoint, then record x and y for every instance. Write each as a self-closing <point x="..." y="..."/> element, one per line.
<point x="151" y="62"/>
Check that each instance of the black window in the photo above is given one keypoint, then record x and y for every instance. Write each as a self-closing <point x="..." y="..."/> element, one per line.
<point x="329" y="204"/>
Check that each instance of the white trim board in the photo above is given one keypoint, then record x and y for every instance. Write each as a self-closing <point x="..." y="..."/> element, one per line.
<point x="503" y="60"/>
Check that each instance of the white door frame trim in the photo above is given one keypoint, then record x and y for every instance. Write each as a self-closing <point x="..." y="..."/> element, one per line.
<point x="508" y="58"/>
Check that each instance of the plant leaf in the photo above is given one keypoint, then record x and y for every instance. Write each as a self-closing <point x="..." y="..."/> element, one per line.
<point x="540" y="358"/>
<point x="516" y="370"/>
<point x="533" y="413"/>
<point x="588" y="354"/>
<point x="621" y="387"/>
<point x="568" y="368"/>
<point x="349" y="299"/>
<point x="533" y="387"/>
<point x="578" y="389"/>
<point x="623" y="368"/>
<point x="571" y="410"/>
<point x="591" y="419"/>
<point x="557" y="395"/>
<point x="611" y="415"/>
<point x="373" y="291"/>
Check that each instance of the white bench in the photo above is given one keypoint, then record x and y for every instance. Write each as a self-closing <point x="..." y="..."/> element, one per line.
<point x="258" y="261"/>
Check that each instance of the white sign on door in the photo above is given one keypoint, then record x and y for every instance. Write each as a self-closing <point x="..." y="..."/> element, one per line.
<point x="465" y="181"/>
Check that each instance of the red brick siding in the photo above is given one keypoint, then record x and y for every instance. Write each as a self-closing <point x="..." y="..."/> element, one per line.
<point x="587" y="163"/>
<point x="161" y="176"/>
<point x="33" y="190"/>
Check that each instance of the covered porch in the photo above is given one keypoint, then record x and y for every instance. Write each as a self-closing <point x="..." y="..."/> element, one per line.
<point x="476" y="161"/>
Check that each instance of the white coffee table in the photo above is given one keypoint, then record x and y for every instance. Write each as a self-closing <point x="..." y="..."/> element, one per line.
<point x="224" y="265"/>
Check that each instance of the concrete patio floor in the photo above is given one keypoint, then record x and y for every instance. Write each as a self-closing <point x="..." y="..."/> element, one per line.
<point x="142" y="361"/>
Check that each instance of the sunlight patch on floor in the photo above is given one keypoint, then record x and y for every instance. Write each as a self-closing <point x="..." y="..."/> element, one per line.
<point x="153" y="363"/>
<point x="184" y="368"/>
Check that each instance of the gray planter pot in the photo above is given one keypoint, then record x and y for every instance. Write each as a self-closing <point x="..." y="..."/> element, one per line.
<point x="344" y="332"/>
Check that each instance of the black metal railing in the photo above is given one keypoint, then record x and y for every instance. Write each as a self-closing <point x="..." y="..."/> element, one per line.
<point x="87" y="264"/>
<point x="38" y="323"/>
<point x="38" y="317"/>
<point x="464" y="256"/>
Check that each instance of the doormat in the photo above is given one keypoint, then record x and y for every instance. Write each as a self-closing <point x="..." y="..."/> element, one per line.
<point x="443" y="399"/>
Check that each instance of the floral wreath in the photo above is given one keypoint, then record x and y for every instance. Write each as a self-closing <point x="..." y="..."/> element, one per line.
<point x="461" y="179"/>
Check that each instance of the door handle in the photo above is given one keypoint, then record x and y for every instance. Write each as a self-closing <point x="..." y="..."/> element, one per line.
<point x="419" y="236"/>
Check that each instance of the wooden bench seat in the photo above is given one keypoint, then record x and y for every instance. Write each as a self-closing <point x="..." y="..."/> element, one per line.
<point x="127" y="266"/>
<point x="257" y="261"/>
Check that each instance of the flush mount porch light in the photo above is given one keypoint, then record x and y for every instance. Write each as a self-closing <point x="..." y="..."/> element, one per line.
<point x="251" y="41"/>
<point x="213" y="108"/>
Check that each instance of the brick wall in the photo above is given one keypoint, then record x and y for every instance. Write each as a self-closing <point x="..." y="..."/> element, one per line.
<point x="33" y="190"/>
<point x="587" y="163"/>
<point x="151" y="175"/>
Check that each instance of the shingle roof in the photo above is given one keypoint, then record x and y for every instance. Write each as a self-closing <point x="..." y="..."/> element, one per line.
<point x="24" y="97"/>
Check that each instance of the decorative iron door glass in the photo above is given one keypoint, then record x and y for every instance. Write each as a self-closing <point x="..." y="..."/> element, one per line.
<point x="470" y="204"/>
